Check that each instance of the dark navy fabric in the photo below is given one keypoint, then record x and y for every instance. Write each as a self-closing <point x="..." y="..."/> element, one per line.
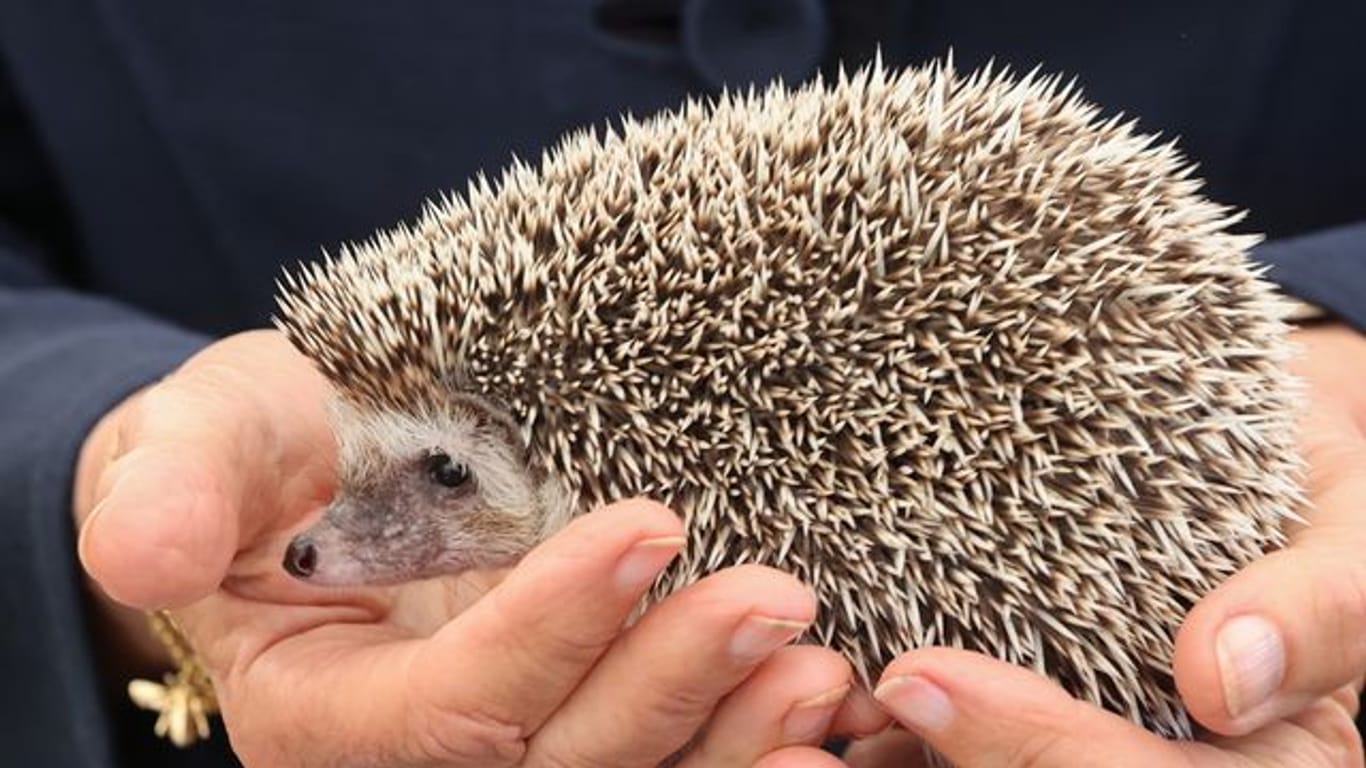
<point x="160" y="161"/>
<point x="1324" y="267"/>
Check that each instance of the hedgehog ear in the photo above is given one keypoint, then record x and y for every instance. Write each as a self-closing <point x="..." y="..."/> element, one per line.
<point x="494" y="417"/>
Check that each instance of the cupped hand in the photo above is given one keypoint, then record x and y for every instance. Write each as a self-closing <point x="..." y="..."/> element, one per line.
<point x="1271" y="663"/>
<point x="187" y="494"/>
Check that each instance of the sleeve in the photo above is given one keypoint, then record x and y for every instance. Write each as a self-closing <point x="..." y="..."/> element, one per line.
<point x="1326" y="268"/>
<point x="65" y="359"/>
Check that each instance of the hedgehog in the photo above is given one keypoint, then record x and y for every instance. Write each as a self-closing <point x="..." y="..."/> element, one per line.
<point x="982" y="366"/>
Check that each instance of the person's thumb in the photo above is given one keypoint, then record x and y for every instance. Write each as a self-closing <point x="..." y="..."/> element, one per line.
<point x="1283" y="633"/>
<point x="1290" y="628"/>
<point x="162" y="536"/>
<point x="199" y="471"/>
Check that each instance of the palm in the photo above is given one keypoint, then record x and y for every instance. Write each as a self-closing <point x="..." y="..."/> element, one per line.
<point x="274" y="646"/>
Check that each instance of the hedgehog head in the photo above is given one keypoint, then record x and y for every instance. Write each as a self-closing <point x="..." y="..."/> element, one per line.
<point x="422" y="494"/>
<point x="431" y="480"/>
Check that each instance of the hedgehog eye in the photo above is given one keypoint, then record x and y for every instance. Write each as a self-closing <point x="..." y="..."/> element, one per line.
<point x="443" y="470"/>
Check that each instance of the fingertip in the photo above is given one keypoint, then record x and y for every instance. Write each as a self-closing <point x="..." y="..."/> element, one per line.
<point x="926" y="688"/>
<point x="812" y="669"/>
<point x="642" y="512"/>
<point x="1196" y="672"/>
<point x="622" y="522"/>
<point x="860" y="715"/>
<point x="158" y="539"/>
<point x="635" y="539"/>
<point x="918" y="702"/>
<point x="918" y="659"/>
<point x="775" y="592"/>
<point x="94" y="564"/>
<point x="1216" y="679"/>
<point x="790" y="699"/>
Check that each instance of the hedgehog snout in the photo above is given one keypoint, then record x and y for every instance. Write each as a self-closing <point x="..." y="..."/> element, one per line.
<point x="327" y="553"/>
<point x="301" y="557"/>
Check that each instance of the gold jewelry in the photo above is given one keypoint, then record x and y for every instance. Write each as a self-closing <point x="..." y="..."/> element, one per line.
<point x="184" y="700"/>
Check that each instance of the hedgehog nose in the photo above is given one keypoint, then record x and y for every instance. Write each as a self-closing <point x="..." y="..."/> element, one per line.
<point x="302" y="557"/>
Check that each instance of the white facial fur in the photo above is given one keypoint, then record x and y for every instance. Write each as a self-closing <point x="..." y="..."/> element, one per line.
<point x="391" y="522"/>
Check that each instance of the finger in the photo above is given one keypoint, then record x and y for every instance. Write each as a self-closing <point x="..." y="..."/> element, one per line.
<point x="516" y="654"/>
<point x="978" y="711"/>
<point x="799" y="757"/>
<point x="789" y="701"/>
<point x="205" y="464"/>
<point x="165" y="532"/>
<point x="859" y="715"/>
<point x="666" y="675"/>
<point x="1291" y="627"/>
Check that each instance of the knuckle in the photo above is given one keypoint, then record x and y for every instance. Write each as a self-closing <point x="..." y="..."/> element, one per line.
<point x="454" y="727"/>
<point x="165" y="411"/>
<point x="468" y="738"/>
<point x="1334" y="463"/>
<point x="1346" y="750"/>
<point x="210" y="407"/>
<point x="558" y="643"/>
<point x="1340" y="609"/>
<point x="681" y="704"/>
<point x="615" y="736"/>
<point x="1352" y="599"/>
<point x="1048" y="740"/>
<point x="1037" y="750"/>
<point x="217" y="388"/>
<point x="142" y="411"/>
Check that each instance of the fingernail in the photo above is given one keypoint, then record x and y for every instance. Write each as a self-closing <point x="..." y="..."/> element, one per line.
<point x="643" y="562"/>
<point x="758" y="636"/>
<point x="103" y="503"/>
<point x="916" y="702"/>
<point x="95" y="511"/>
<point x="1251" y="662"/>
<point x="809" y="719"/>
<point x="83" y="535"/>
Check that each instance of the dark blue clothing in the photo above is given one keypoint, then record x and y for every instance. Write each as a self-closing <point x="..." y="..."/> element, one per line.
<point x="159" y="161"/>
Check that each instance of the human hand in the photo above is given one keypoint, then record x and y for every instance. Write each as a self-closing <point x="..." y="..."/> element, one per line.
<point x="978" y="712"/>
<point x="187" y="495"/>
<point x="1272" y="662"/>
